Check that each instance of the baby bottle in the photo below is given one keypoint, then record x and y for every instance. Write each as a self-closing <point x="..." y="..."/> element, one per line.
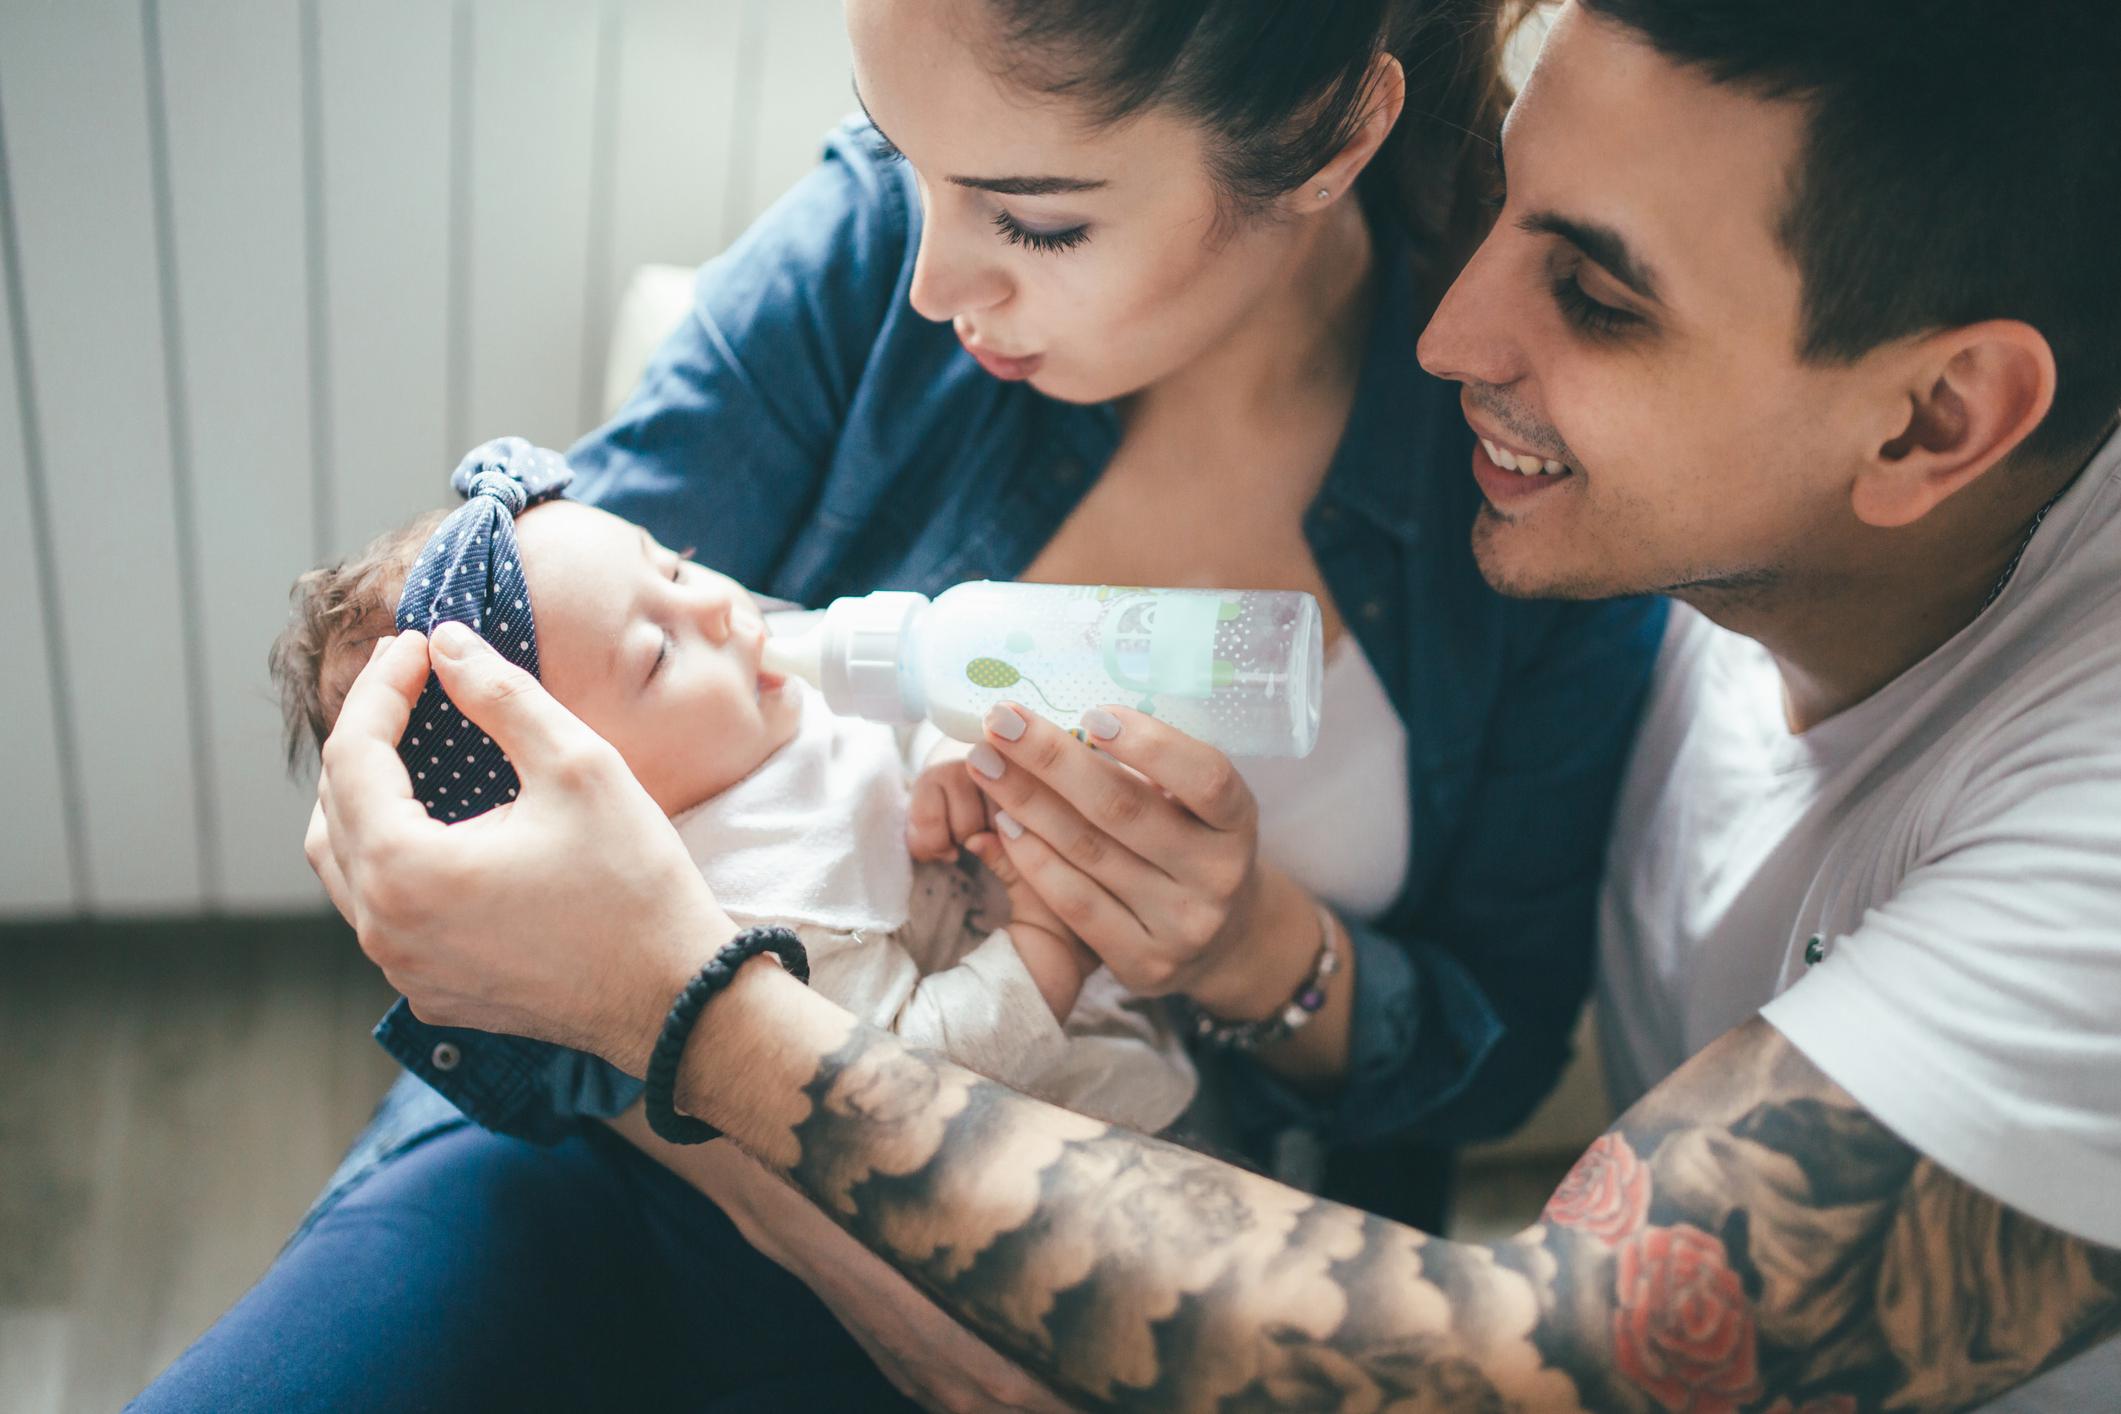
<point x="1240" y="669"/>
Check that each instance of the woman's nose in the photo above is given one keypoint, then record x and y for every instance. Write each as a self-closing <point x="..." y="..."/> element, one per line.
<point x="952" y="273"/>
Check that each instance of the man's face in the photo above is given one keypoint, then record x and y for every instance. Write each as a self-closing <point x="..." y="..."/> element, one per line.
<point x="1633" y="317"/>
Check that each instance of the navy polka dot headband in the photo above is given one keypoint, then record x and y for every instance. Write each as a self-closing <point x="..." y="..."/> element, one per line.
<point x="471" y="573"/>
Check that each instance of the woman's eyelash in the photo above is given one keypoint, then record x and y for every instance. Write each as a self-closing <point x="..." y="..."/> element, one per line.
<point x="1589" y="315"/>
<point x="662" y="654"/>
<point x="677" y="571"/>
<point x="885" y="150"/>
<point x="1046" y="241"/>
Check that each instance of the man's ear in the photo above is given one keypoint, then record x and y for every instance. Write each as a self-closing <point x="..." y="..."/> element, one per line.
<point x="1969" y="397"/>
<point x="1384" y="95"/>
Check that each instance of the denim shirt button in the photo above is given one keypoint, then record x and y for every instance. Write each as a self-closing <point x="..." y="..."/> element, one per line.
<point x="1067" y="471"/>
<point x="445" y="1056"/>
<point x="1372" y="609"/>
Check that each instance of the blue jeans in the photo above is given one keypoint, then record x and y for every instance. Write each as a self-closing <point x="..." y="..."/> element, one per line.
<point x="473" y="1271"/>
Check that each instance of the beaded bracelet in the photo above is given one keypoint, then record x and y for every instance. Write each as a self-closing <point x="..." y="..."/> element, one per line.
<point x="1286" y="1020"/>
<point x="661" y="1104"/>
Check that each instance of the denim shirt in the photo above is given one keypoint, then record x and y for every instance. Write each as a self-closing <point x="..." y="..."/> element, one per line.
<point x="813" y="436"/>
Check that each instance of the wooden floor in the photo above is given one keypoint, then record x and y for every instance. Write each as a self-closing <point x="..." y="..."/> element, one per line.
<point x="172" y="1096"/>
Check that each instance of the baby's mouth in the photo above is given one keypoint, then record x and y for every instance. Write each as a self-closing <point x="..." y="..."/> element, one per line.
<point x="752" y="635"/>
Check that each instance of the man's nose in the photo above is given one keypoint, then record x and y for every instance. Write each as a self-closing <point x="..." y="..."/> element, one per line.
<point x="1472" y="337"/>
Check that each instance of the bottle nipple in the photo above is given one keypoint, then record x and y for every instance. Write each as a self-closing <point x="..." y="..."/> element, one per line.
<point x="795" y="650"/>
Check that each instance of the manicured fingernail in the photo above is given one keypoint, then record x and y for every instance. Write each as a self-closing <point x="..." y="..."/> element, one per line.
<point x="986" y="760"/>
<point x="1005" y="721"/>
<point x="454" y="639"/>
<point x="1100" y="724"/>
<point x="1006" y="823"/>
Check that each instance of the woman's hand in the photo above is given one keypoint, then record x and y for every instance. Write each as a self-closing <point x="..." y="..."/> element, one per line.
<point x="1148" y="848"/>
<point x="572" y="914"/>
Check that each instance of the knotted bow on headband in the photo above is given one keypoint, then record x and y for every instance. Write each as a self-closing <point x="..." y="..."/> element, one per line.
<point x="470" y="572"/>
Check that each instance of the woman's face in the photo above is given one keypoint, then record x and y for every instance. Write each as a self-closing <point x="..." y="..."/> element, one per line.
<point x="1089" y="262"/>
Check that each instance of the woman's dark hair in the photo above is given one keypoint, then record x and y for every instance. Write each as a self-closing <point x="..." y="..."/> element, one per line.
<point x="1962" y="162"/>
<point x="1281" y="85"/>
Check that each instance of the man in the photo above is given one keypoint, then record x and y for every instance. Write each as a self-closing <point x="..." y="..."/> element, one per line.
<point x="1811" y="303"/>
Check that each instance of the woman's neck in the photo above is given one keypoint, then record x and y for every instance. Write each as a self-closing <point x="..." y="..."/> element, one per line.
<point x="1304" y="340"/>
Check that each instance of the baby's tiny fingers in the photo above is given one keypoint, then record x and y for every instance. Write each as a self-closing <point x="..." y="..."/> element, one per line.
<point x="987" y="849"/>
<point x="928" y="824"/>
<point x="965" y="806"/>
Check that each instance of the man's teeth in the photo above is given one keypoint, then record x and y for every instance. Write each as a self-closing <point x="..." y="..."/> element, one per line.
<point x="1522" y="465"/>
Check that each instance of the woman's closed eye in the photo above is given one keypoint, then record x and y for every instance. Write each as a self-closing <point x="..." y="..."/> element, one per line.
<point x="1013" y="231"/>
<point x="1017" y="233"/>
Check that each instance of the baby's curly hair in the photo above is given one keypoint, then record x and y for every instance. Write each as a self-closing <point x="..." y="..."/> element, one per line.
<point x="337" y="612"/>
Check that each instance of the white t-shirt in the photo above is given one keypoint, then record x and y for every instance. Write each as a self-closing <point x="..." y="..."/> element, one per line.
<point x="1339" y="819"/>
<point x="1955" y="843"/>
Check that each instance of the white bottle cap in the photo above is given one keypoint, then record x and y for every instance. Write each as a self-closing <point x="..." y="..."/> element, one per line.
<point x="859" y="667"/>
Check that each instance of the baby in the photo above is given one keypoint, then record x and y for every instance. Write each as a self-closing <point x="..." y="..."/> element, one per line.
<point x="793" y="815"/>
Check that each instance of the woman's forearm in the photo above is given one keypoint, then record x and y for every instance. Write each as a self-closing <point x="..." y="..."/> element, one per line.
<point x="1316" y="1056"/>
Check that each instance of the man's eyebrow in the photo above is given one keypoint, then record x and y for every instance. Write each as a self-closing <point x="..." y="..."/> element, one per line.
<point x="1602" y="244"/>
<point x="1000" y="186"/>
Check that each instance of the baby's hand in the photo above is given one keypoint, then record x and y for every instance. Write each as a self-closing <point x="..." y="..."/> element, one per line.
<point x="1057" y="960"/>
<point x="947" y="809"/>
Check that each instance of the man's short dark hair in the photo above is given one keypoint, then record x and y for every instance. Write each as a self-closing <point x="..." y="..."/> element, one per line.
<point x="1963" y="163"/>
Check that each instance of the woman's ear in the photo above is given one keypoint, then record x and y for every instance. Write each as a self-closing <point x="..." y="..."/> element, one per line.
<point x="1384" y="95"/>
<point x="1970" y="396"/>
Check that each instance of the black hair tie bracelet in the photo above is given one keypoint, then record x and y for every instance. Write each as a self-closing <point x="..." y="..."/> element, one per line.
<point x="663" y="1117"/>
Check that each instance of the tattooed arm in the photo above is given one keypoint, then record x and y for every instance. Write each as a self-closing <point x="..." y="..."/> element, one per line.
<point x="1747" y="1238"/>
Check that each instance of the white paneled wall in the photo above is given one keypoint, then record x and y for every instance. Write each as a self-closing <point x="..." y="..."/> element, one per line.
<point x="269" y="266"/>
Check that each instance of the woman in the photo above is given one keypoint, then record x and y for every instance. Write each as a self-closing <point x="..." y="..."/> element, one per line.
<point x="1104" y="292"/>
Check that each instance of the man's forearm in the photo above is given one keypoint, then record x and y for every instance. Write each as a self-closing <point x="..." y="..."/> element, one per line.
<point x="1127" y="1271"/>
<point x="1747" y="1240"/>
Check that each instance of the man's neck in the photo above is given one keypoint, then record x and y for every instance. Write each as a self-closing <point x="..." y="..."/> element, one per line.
<point x="1841" y="632"/>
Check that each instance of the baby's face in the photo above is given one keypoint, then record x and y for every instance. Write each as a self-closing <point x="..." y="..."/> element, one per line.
<point x="659" y="655"/>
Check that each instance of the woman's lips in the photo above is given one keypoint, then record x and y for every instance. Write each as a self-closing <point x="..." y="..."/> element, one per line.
<point x="1012" y="370"/>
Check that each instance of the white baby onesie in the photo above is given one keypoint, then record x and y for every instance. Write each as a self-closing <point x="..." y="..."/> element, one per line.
<point x="816" y="838"/>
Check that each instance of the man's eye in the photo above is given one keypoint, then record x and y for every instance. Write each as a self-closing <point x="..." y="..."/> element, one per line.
<point x="1589" y="315"/>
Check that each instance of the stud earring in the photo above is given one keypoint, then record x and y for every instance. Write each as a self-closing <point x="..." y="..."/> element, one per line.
<point x="1323" y="193"/>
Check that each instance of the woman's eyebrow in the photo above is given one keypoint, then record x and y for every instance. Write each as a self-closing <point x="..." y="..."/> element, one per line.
<point x="1000" y="186"/>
